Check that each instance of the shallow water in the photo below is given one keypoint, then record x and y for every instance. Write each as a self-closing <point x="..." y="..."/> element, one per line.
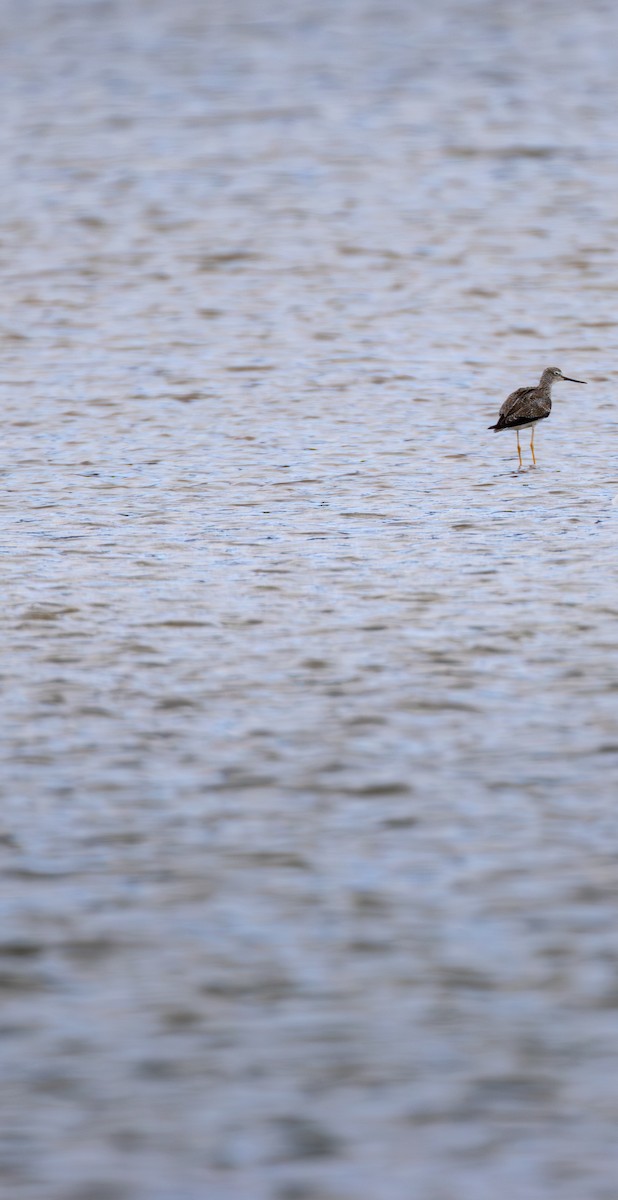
<point x="309" y="837"/>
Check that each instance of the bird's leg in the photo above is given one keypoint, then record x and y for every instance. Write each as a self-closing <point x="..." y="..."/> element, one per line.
<point x="532" y="445"/>
<point x="519" y="448"/>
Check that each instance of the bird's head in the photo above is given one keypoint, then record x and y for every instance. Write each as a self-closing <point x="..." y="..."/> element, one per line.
<point x="550" y="374"/>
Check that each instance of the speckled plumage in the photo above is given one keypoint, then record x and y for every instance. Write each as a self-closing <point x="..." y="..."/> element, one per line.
<point x="526" y="404"/>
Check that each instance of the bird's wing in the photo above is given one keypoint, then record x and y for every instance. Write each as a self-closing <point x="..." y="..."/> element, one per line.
<point x="521" y="406"/>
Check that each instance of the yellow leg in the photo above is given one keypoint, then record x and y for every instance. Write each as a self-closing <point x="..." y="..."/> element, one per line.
<point x="519" y="448"/>
<point x="532" y="445"/>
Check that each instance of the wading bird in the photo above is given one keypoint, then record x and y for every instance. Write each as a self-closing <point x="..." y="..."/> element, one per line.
<point x="523" y="408"/>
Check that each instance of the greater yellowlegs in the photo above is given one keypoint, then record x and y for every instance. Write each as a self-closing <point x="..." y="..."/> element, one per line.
<point x="525" y="407"/>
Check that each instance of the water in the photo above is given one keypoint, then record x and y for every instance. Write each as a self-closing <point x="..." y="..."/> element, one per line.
<point x="308" y="834"/>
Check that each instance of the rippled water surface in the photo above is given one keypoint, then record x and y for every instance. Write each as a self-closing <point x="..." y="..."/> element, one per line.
<point x="309" y="836"/>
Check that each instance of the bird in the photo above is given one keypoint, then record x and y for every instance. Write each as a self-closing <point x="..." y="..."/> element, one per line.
<point x="526" y="406"/>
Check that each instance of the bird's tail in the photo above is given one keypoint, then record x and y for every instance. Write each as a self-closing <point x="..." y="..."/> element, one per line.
<point x="497" y="427"/>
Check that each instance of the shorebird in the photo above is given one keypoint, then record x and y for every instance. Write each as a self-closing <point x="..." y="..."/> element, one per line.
<point x="525" y="407"/>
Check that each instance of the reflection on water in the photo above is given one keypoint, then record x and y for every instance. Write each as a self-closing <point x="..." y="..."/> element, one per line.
<point x="308" y="832"/>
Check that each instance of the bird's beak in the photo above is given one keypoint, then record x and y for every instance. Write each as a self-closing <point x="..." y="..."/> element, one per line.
<point x="574" y="380"/>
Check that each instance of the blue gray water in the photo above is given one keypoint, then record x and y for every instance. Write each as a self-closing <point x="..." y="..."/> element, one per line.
<point x="309" y="835"/>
